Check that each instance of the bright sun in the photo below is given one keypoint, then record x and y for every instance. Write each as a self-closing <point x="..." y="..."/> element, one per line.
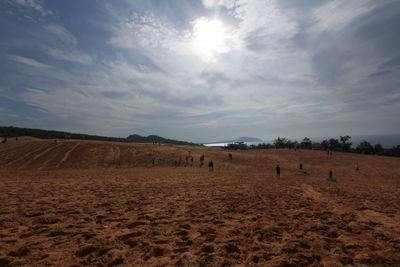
<point x="209" y="37"/>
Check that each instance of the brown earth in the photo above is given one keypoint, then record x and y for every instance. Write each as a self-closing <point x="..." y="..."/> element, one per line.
<point x="86" y="203"/>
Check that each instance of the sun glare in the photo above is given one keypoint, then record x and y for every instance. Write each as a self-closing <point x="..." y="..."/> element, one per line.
<point x="209" y="37"/>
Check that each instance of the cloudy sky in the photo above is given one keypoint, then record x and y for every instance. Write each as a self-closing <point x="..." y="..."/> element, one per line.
<point x="201" y="70"/>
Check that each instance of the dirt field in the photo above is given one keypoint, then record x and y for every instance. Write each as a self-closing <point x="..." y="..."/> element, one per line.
<point x="84" y="203"/>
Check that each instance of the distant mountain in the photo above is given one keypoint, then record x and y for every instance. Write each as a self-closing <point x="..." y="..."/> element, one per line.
<point x="245" y="139"/>
<point x="157" y="139"/>
<point x="248" y="139"/>
<point x="45" y="134"/>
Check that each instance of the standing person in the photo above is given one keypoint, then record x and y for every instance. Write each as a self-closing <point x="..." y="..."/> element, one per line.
<point x="278" y="170"/>
<point x="301" y="166"/>
<point x="357" y="168"/>
<point x="330" y="174"/>
<point x="201" y="161"/>
<point x="211" y="166"/>
<point x="230" y="156"/>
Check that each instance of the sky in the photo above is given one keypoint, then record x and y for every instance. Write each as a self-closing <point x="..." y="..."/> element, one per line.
<point x="201" y="70"/>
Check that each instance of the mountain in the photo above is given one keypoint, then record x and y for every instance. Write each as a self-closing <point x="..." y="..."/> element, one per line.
<point x="248" y="139"/>
<point x="46" y="134"/>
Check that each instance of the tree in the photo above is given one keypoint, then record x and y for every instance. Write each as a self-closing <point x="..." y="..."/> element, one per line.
<point x="365" y="147"/>
<point x="378" y="149"/>
<point x="306" y="143"/>
<point x="346" y="145"/>
<point x="280" y="142"/>
<point x="325" y="144"/>
<point x="334" y="144"/>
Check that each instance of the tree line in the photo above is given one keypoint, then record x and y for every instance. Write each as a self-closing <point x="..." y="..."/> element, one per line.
<point x="343" y="144"/>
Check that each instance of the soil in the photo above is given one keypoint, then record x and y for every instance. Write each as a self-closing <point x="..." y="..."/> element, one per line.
<point x="87" y="203"/>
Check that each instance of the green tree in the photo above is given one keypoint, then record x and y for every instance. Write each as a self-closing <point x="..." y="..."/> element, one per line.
<point x="365" y="148"/>
<point x="306" y="143"/>
<point x="345" y="143"/>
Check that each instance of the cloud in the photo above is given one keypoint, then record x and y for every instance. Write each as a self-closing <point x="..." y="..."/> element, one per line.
<point x="33" y="4"/>
<point x="63" y="45"/>
<point x="28" y="61"/>
<point x="66" y="38"/>
<point x="309" y="67"/>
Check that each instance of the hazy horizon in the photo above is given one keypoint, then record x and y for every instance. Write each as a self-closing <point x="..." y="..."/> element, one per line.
<point x="201" y="70"/>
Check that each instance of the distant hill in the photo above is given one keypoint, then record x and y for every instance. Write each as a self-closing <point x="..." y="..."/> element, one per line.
<point x="46" y="134"/>
<point x="247" y="139"/>
<point x="135" y="138"/>
<point x="242" y="139"/>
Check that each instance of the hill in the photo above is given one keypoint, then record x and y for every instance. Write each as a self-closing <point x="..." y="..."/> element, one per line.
<point x="50" y="134"/>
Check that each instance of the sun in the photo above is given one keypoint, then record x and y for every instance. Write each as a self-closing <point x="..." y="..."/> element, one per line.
<point x="209" y="37"/>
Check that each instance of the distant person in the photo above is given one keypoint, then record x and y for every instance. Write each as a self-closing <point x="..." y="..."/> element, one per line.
<point x="230" y="156"/>
<point x="191" y="161"/>
<point x="211" y="166"/>
<point x="152" y="161"/>
<point x="330" y="177"/>
<point x="278" y="171"/>
<point x="201" y="161"/>
<point x="357" y="168"/>
<point x="16" y="138"/>
<point x="301" y="166"/>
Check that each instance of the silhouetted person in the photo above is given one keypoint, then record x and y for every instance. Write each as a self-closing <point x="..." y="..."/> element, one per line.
<point x="278" y="171"/>
<point x="301" y="166"/>
<point x="152" y="161"/>
<point x="330" y="175"/>
<point x="211" y="166"/>
<point x="201" y="161"/>
<point x="191" y="161"/>
<point x="357" y="168"/>
<point x="230" y="156"/>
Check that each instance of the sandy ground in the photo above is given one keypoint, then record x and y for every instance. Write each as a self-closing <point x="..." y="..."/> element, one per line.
<point x="83" y="203"/>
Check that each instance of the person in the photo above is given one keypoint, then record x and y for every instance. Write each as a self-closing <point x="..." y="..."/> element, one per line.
<point x="152" y="161"/>
<point x="201" y="161"/>
<point x="230" y="156"/>
<point x="330" y="174"/>
<point x="211" y="166"/>
<point x="191" y="161"/>
<point x="301" y="166"/>
<point x="278" y="171"/>
<point x="357" y="168"/>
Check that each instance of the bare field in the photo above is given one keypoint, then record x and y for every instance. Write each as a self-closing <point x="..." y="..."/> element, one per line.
<point x="87" y="203"/>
